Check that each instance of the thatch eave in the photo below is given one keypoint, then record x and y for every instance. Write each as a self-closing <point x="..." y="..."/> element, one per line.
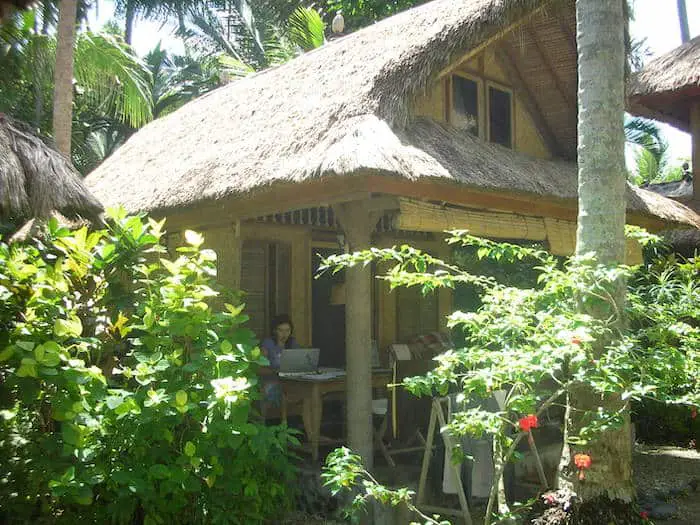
<point x="664" y="88"/>
<point x="36" y="180"/>
<point x="339" y="116"/>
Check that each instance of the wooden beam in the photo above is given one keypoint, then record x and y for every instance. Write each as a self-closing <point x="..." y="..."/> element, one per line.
<point x="695" y="137"/>
<point x="527" y="98"/>
<point x="569" y="36"/>
<point x="498" y="35"/>
<point x="571" y="102"/>
<point x="636" y="106"/>
<point x="423" y="216"/>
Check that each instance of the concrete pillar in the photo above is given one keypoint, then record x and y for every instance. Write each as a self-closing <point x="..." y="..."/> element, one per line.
<point x="695" y="137"/>
<point x="358" y="222"/>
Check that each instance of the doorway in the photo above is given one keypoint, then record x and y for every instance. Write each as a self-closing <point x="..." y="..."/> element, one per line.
<point x="328" y="317"/>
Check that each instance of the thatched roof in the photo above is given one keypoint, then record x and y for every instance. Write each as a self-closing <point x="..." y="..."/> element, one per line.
<point x="664" y="88"/>
<point x="36" y="180"/>
<point x="341" y="111"/>
<point x="681" y="190"/>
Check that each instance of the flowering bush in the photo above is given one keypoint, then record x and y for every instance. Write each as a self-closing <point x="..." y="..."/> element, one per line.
<point x="539" y="346"/>
<point x="126" y="395"/>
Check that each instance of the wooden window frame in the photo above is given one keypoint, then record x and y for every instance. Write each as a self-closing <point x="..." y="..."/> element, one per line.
<point x="487" y="100"/>
<point x="480" y="102"/>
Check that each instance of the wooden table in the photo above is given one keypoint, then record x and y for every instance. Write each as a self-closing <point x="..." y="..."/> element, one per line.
<point x="310" y="390"/>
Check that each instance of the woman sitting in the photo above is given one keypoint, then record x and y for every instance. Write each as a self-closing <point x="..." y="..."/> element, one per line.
<point x="272" y="348"/>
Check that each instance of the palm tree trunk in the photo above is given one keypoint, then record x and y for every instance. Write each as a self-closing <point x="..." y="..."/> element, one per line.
<point x="683" y="19"/>
<point x="601" y="221"/>
<point x="63" y="75"/>
<point x="129" y="21"/>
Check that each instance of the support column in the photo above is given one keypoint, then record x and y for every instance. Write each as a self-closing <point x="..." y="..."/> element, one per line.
<point x="358" y="222"/>
<point x="695" y="138"/>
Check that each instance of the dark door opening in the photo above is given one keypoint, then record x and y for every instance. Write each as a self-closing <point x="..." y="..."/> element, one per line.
<point x="327" y="320"/>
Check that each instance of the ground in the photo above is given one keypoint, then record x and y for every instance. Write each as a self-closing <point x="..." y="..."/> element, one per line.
<point x="661" y="473"/>
<point x="672" y="471"/>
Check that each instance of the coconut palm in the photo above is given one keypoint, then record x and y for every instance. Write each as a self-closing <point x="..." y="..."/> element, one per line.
<point x="63" y="75"/>
<point x="245" y="43"/>
<point x="111" y="85"/>
<point x="601" y="222"/>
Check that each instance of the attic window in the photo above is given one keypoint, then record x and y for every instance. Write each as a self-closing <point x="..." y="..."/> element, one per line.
<point x="500" y="116"/>
<point x="465" y="104"/>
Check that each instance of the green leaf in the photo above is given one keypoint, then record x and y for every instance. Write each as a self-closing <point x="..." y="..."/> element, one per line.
<point x="71" y="433"/>
<point x="6" y="353"/>
<point x="181" y="398"/>
<point x="68" y="327"/>
<point x="190" y="449"/>
<point x="83" y="496"/>
<point x="159" y="471"/>
<point x="226" y="346"/>
<point x="27" y="369"/>
<point x="114" y="401"/>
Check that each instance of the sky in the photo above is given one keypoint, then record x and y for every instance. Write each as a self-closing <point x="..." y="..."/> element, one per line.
<point x="657" y="20"/>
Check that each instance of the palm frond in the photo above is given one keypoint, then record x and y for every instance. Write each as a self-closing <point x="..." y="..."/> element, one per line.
<point x="109" y="70"/>
<point x="646" y="134"/>
<point x="306" y="28"/>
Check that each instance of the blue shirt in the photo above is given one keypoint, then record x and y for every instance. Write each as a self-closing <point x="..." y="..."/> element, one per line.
<point x="273" y="351"/>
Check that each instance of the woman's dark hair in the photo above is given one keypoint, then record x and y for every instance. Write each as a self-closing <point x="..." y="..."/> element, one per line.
<point x="281" y="319"/>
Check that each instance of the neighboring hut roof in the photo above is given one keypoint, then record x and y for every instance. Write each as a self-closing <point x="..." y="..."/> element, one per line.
<point x="343" y="110"/>
<point x="36" y="180"/>
<point x="664" y="88"/>
<point x="681" y="190"/>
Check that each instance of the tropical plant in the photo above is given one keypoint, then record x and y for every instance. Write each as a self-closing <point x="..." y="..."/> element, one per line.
<point x="535" y="346"/>
<point x="110" y="89"/>
<point x="361" y="13"/>
<point x="245" y="43"/>
<point x="126" y="395"/>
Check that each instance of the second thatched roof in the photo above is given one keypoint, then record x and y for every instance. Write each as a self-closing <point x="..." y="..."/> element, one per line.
<point x="342" y="111"/>
<point x="36" y="180"/>
<point x="664" y="88"/>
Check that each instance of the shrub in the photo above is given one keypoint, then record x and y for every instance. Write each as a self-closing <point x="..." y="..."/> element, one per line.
<point x="126" y="392"/>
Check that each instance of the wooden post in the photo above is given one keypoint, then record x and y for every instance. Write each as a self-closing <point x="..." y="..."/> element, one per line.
<point x="695" y="137"/>
<point x="358" y="220"/>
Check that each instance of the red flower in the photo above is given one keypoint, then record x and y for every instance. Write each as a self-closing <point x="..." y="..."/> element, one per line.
<point x="693" y="412"/>
<point x="644" y="515"/>
<point x="528" y="422"/>
<point x="582" y="462"/>
<point x="576" y="341"/>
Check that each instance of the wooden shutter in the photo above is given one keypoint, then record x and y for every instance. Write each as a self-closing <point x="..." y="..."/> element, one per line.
<point x="416" y="314"/>
<point x="254" y="282"/>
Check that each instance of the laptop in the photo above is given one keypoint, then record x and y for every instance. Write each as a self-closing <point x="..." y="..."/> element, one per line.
<point x="299" y="361"/>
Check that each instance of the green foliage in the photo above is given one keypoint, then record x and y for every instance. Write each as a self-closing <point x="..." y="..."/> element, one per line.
<point x="111" y="87"/>
<point x="537" y="345"/>
<point x="361" y="13"/>
<point x="343" y="472"/>
<point x="126" y="393"/>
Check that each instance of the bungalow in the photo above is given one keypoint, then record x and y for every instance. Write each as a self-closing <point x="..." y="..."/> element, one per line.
<point x="454" y="114"/>
<point x="668" y="90"/>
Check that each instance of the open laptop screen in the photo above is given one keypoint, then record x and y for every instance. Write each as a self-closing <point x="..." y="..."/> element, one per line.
<point x="299" y="360"/>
